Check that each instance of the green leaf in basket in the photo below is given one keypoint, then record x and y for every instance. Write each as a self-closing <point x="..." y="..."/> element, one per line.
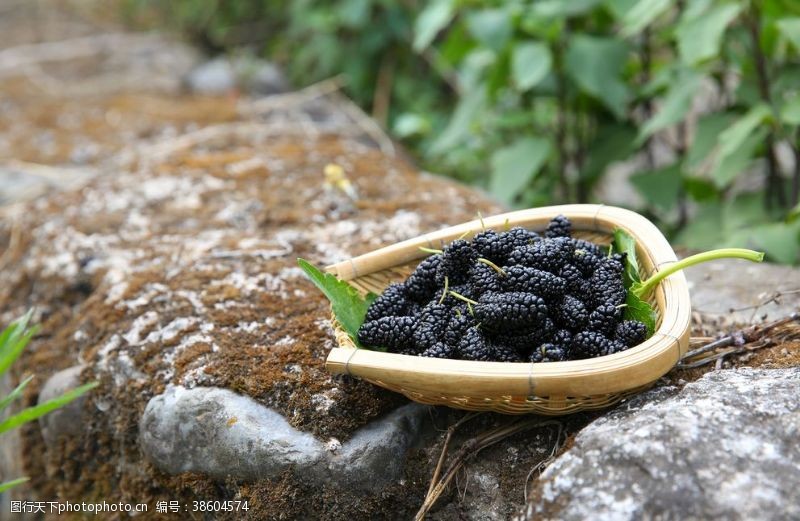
<point x="635" y="307"/>
<point x="624" y="243"/>
<point x="638" y="309"/>
<point x="347" y="303"/>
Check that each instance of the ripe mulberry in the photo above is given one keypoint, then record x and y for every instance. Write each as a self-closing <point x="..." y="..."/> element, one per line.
<point x="393" y="333"/>
<point x="518" y="237"/>
<point x="524" y="342"/>
<point x="512" y="310"/>
<point x="484" y="279"/>
<point x="457" y="259"/>
<point x="474" y="346"/>
<point x="491" y="245"/>
<point x="547" y="255"/>
<point x="558" y="227"/>
<point x="431" y="325"/>
<point x="457" y="328"/>
<point x="548" y="353"/>
<point x="589" y="344"/>
<point x="572" y="275"/>
<point x="439" y="350"/>
<point x="631" y="333"/>
<point x="606" y="284"/>
<point x="422" y="284"/>
<point x="531" y="280"/>
<point x="605" y="319"/>
<point x="392" y="302"/>
<point x="571" y="314"/>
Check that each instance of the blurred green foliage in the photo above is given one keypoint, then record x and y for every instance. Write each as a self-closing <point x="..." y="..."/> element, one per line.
<point x="534" y="100"/>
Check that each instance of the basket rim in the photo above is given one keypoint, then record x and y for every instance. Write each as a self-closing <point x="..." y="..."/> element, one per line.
<point x="606" y="374"/>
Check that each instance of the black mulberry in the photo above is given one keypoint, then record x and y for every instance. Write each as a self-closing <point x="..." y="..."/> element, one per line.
<point x="484" y="279"/>
<point x="531" y="280"/>
<point x="513" y="310"/>
<point x="422" y="284"/>
<point x="558" y="227"/>
<point x="548" y="353"/>
<point x="571" y="314"/>
<point x="457" y="328"/>
<point x="548" y="255"/>
<point x="589" y="344"/>
<point x="431" y="325"/>
<point x="631" y="333"/>
<point x="457" y="259"/>
<point x="606" y="284"/>
<point x="474" y="346"/>
<point x="491" y="245"/>
<point x="572" y="275"/>
<point x="391" y="303"/>
<point x="393" y="333"/>
<point x="439" y="350"/>
<point x="605" y="319"/>
<point x="518" y="237"/>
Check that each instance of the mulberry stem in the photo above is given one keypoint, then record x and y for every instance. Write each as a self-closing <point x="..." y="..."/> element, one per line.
<point x="429" y="250"/>
<point x="492" y="265"/>
<point x="643" y="289"/>
<point x="462" y="297"/>
<point x="446" y="286"/>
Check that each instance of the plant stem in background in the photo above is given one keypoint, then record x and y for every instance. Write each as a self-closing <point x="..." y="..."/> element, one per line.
<point x="774" y="191"/>
<point x="643" y="289"/>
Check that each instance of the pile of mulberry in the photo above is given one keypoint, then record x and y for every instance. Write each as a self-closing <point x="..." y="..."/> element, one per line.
<point x="511" y="296"/>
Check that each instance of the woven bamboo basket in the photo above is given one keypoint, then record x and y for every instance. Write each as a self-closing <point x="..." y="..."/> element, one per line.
<point x="554" y="388"/>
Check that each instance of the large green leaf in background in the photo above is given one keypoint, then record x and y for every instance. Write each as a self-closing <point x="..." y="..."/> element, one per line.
<point x="660" y="187"/>
<point x="530" y="63"/>
<point x="595" y="64"/>
<point x="675" y="106"/>
<point x="460" y="124"/>
<point x="491" y="27"/>
<point x="790" y="111"/>
<point x="431" y="21"/>
<point x="699" y="38"/>
<point x="705" y="138"/>
<point x="560" y="8"/>
<point x="729" y="167"/>
<point x="642" y="14"/>
<point x="514" y="166"/>
<point x="790" y="28"/>
<point x="732" y="138"/>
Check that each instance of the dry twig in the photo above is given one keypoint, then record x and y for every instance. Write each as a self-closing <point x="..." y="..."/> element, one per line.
<point x="472" y="447"/>
<point x="748" y="339"/>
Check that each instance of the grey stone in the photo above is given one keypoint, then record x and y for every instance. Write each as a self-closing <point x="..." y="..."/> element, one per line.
<point x="223" y="434"/>
<point x="223" y="75"/>
<point x="724" y="447"/>
<point x="67" y="420"/>
<point x="719" y="286"/>
<point x="220" y="433"/>
<point x="374" y="456"/>
<point x="262" y="78"/>
<point x="213" y="78"/>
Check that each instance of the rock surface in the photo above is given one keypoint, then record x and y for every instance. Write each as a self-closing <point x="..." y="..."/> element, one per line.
<point x="68" y="420"/>
<point x="723" y="447"/>
<point x="222" y="434"/>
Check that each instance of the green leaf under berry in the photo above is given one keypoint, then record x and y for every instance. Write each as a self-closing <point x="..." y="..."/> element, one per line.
<point x="624" y="243"/>
<point x="348" y="305"/>
<point x="638" y="309"/>
<point x="635" y="307"/>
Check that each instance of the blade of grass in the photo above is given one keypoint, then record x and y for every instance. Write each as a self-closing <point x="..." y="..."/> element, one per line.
<point x="5" y="402"/>
<point x="16" y="344"/>
<point x="13" y="483"/>
<point x="31" y="413"/>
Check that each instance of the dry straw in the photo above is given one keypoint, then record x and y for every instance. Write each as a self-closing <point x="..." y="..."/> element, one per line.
<point x="516" y="388"/>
